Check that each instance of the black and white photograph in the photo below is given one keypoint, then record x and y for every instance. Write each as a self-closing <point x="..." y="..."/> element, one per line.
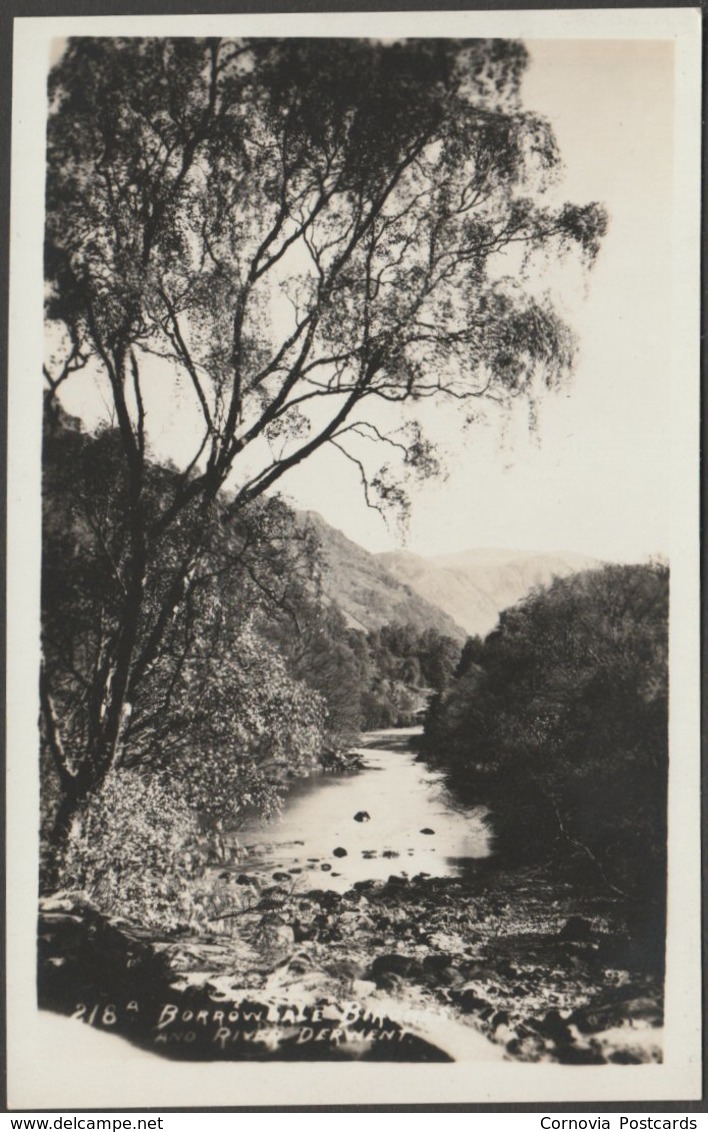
<point x="353" y="559"/>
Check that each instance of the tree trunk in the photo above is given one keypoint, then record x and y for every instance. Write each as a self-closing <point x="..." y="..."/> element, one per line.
<point x="71" y="800"/>
<point x="108" y="715"/>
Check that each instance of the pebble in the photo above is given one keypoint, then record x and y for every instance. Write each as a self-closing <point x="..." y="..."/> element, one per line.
<point x="577" y="929"/>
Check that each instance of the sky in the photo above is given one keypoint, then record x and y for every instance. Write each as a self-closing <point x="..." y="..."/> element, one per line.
<point x="591" y="477"/>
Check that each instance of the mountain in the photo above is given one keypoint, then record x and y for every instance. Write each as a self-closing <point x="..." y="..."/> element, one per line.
<point x="474" y="586"/>
<point x="366" y="591"/>
<point x="456" y="594"/>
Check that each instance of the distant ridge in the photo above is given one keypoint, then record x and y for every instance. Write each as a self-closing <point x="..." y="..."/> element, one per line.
<point x="456" y="594"/>
<point x="366" y="591"/>
<point x="474" y="586"/>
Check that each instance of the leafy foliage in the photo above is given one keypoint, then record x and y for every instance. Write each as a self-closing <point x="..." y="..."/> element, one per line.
<point x="255" y="682"/>
<point x="242" y="727"/>
<point x="560" y="719"/>
<point x="138" y="851"/>
<point x="374" y="184"/>
<point x="406" y="667"/>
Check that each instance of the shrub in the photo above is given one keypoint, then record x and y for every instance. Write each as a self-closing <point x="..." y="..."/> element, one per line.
<point x="246" y="728"/>
<point x="136" y="850"/>
<point x="561" y="724"/>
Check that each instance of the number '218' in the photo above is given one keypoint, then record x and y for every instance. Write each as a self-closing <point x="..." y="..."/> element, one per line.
<point x="107" y="1018"/>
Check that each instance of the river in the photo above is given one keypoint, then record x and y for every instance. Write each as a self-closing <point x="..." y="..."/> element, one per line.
<point x="484" y="964"/>
<point x="410" y="824"/>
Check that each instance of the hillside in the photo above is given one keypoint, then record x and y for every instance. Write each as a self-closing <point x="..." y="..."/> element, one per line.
<point x="367" y="592"/>
<point x="472" y="587"/>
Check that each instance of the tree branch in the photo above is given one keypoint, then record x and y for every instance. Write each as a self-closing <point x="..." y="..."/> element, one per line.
<point x="181" y="347"/>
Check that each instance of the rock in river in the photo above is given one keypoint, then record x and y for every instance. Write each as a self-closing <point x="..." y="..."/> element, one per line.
<point x="427" y="830"/>
<point x="577" y="929"/>
<point x="361" y="815"/>
<point x="339" y="852"/>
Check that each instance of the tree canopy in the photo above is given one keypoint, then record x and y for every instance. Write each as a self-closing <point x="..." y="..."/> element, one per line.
<point x="300" y="226"/>
<point x="561" y="719"/>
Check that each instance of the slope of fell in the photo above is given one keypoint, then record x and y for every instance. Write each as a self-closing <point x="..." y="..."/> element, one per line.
<point x="366" y="591"/>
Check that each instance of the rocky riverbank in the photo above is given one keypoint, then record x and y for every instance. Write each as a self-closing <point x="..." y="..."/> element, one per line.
<point x="498" y="964"/>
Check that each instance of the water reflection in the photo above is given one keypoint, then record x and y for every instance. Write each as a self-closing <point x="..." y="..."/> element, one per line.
<point x="412" y="825"/>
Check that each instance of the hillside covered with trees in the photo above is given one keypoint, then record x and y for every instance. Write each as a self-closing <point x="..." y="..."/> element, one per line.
<point x="369" y="593"/>
<point x="559" y="720"/>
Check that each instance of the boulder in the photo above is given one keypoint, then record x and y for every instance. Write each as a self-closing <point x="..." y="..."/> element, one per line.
<point x="275" y="933"/>
<point x="436" y="961"/>
<point x="577" y="929"/>
<point x="470" y="1002"/>
<point x="529" y="1047"/>
<point x="553" y="1026"/>
<point x="405" y="966"/>
<point x="622" y="1012"/>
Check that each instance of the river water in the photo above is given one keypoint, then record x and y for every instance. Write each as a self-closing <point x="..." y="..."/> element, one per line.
<point x="413" y="825"/>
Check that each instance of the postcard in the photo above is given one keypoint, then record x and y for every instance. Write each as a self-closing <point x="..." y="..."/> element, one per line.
<point x="353" y="744"/>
